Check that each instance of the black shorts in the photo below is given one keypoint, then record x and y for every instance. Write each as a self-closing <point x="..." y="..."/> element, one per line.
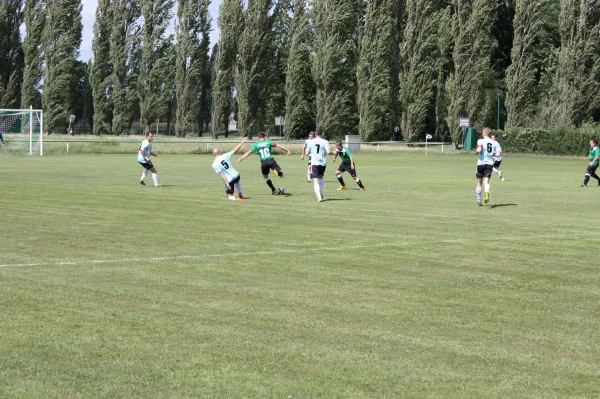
<point x="591" y="170"/>
<point x="268" y="165"/>
<point x="231" y="184"/>
<point x="484" y="171"/>
<point x="345" y="167"/>
<point x="317" y="171"/>
<point x="497" y="164"/>
<point x="147" y="165"/>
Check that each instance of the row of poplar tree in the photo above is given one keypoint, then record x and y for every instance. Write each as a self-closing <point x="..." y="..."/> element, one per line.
<point x="379" y="68"/>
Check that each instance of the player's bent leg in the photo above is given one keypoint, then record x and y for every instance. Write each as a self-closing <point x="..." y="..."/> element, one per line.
<point x="338" y="175"/>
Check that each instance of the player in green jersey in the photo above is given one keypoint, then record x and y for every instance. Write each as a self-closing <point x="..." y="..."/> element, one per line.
<point x="346" y="166"/>
<point x="594" y="162"/>
<point x="263" y="148"/>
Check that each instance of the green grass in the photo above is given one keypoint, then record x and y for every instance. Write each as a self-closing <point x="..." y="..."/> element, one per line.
<point x="109" y="289"/>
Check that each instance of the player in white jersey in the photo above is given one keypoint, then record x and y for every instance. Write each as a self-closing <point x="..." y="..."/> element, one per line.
<point x="498" y="160"/>
<point x="488" y="150"/>
<point x="224" y="168"/>
<point x="318" y="149"/>
<point x="311" y="135"/>
<point x="143" y="157"/>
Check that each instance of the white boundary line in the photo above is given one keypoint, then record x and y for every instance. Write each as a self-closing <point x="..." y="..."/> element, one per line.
<point x="285" y="251"/>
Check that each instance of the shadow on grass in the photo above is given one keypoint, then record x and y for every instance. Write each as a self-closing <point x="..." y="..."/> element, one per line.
<point x="502" y="205"/>
<point x="337" y="199"/>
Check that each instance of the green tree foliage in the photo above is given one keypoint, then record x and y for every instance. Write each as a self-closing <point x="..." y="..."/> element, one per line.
<point x="282" y="19"/>
<point x="574" y="96"/>
<point x="34" y="18"/>
<point x="335" y="63"/>
<point x="472" y="80"/>
<point x="255" y="57"/>
<point x="420" y="65"/>
<point x="125" y="56"/>
<point x="300" y="88"/>
<point x="230" y="21"/>
<point x="374" y="76"/>
<point x="11" y="53"/>
<point x="153" y="92"/>
<point x="522" y="83"/>
<point x="101" y="69"/>
<point x="439" y="111"/>
<point x="192" y="60"/>
<point x="61" y="40"/>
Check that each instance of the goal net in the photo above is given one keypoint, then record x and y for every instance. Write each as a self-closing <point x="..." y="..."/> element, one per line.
<point x="21" y="131"/>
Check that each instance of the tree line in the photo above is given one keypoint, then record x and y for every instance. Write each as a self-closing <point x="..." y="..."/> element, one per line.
<point x="384" y="69"/>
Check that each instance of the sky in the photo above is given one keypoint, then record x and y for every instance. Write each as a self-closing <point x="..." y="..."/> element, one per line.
<point x="88" y="15"/>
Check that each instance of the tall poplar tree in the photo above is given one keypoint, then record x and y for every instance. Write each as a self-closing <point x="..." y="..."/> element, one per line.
<point x="35" y="20"/>
<point x="420" y="57"/>
<point x="11" y="53"/>
<point x="334" y="67"/>
<point x="101" y="69"/>
<point x="375" y="70"/>
<point x="155" y="58"/>
<point x="230" y="20"/>
<point x="61" y="41"/>
<point x="472" y="77"/>
<point x="300" y="88"/>
<point x="255" y="57"/>
<point x="522" y="90"/>
<point x="125" y="57"/>
<point x="193" y="42"/>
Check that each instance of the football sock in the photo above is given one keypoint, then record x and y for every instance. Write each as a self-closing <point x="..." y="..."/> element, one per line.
<point x="478" y="191"/>
<point x="586" y="180"/>
<point x="155" y="178"/>
<point x="321" y="184"/>
<point x="144" y="174"/>
<point x="308" y="176"/>
<point x="496" y="170"/>
<point x="318" y="189"/>
<point x="231" y="198"/>
<point x="486" y="185"/>
<point x="270" y="184"/>
<point x="359" y="183"/>
<point x="595" y="176"/>
<point x="238" y="187"/>
<point x="341" y="180"/>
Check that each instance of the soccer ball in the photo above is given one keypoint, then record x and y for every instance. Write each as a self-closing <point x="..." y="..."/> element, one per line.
<point x="281" y="190"/>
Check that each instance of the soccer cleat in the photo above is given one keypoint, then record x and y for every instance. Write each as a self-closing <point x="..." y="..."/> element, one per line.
<point x="342" y="188"/>
<point x="584" y="185"/>
<point x="321" y="200"/>
<point x="362" y="189"/>
<point x="500" y="176"/>
<point x="275" y="172"/>
<point x="275" y="192"/>
<point x="240" y="197"/>
<point x="479" y="203"/>
<point x="486" y="198"/>
<point x="142" y="183"/>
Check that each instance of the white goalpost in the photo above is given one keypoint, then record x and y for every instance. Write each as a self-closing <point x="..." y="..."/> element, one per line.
<point x="21" y="130"/>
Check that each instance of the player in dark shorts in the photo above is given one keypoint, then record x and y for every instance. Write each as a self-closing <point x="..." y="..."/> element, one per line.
<point x="263" y="148"/>
<point x="311" y="135"/>
<point x="347" y="165"/>
<point x="593" y="164"/>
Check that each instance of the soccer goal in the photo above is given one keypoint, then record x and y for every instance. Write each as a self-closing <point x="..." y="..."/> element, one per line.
<point x="21" y="130"/>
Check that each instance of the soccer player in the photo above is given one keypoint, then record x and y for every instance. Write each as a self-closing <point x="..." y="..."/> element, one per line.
<point x="318" y="149"/>
<point x="267" y="162"/>
<point x="1" y="138"/>
<point x="488" y="150"/>
<point x="593" y="165"/>
<point x="222" y="165"/>
<point x="498" y="160"/>
<point x="311" y="135"/>
<point x="346" y="166"/>
<point x="143" y="157"/>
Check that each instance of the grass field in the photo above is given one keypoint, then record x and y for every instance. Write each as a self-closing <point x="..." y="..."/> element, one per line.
<point x="110" y="289"/>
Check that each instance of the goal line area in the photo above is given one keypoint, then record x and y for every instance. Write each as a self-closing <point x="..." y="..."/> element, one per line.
<point x="21" y="131"/>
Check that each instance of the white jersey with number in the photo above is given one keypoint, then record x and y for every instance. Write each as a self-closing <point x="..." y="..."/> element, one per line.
<point x="147" y="148"/>
<point x="222" y="164"/>
<point x="318" y="148"/>
<point x="488" y="148"/>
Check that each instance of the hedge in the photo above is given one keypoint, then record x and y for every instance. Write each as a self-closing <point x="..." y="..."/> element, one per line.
<point x="554" y="141"/>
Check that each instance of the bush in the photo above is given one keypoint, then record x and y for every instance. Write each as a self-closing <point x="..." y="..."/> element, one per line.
<point x="567" y="140"/>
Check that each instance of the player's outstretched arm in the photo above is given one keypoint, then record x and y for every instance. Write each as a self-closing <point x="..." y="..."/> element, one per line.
<point x="237" y="147"/>
<point x="225" y="179"/>
<point x="284" y="149"/>
<point x="352" y="162"/>
<point x="240" y="159"/>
